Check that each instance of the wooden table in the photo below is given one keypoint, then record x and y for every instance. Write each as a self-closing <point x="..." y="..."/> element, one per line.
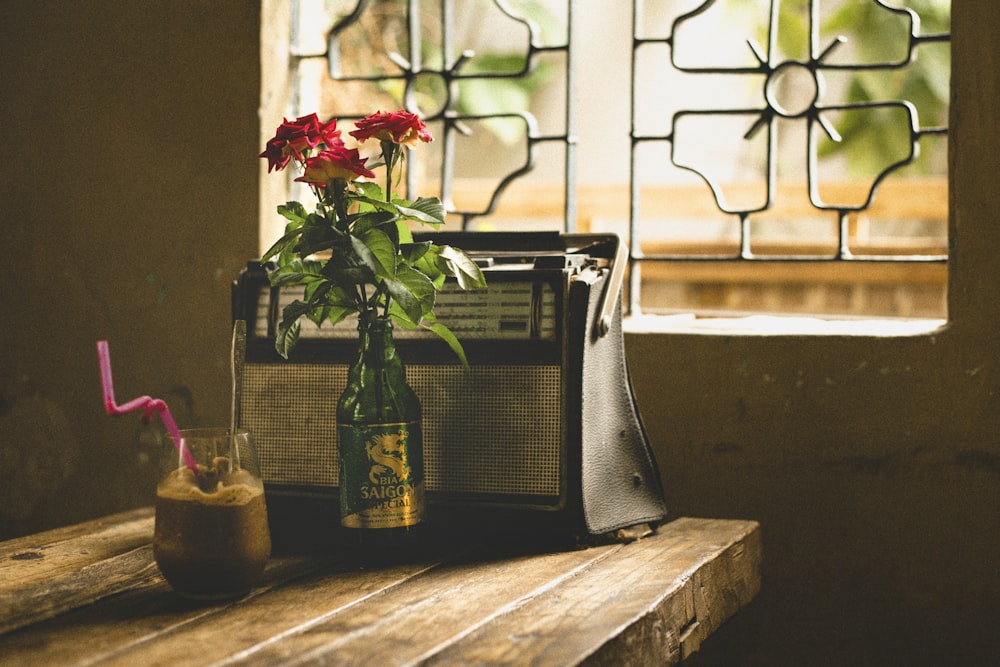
<point x="91" y="594"/>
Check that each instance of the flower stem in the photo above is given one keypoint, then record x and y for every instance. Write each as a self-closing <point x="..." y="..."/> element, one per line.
<point x="339" y="187"/>
<point x="389" y="155"/>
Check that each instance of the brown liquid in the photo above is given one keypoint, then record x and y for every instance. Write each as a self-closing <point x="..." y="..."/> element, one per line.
<point x="211" y="544"/>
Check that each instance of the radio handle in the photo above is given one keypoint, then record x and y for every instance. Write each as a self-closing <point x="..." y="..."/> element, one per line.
<point x="613" y="290"/>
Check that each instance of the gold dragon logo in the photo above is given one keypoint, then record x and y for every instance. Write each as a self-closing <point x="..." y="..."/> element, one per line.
<point x="387" y="452"/>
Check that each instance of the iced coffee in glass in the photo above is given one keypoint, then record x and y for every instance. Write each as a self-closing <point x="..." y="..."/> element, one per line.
<point x="211" y="540"/>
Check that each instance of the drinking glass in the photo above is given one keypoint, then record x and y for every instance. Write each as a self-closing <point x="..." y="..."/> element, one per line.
<point x="211" y="539"/>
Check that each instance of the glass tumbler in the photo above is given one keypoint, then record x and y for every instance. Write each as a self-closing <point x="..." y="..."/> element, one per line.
<point x="211" y="540"/>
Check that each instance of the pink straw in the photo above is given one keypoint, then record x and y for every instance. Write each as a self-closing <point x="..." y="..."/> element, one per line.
<point x="148" y="405"/>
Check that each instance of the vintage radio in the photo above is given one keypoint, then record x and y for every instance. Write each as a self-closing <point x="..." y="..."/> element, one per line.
<point x="541" y="431"/>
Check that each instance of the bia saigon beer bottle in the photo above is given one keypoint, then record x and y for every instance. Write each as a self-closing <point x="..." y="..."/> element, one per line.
<point x="380" y="450"/>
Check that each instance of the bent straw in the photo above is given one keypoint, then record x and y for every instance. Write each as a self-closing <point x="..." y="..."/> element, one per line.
<point x="147" y="404"/>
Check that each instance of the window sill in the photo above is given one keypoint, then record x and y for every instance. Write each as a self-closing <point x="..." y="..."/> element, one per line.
<point x="779" y="325"/>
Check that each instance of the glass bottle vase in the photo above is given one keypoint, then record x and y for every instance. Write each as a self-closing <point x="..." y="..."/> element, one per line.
<point x="380" y="449"/>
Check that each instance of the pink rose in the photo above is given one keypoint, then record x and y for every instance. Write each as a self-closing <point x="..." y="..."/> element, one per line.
<point x="399" y="127"/>
<point x="294" y="138"/>
<point x="333" y="163"/>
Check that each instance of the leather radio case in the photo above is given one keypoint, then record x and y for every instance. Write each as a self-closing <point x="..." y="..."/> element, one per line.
<point x="541" y="434"/>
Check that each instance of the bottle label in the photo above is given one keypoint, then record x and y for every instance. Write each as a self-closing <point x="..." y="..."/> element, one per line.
<point x="381" y="475"/>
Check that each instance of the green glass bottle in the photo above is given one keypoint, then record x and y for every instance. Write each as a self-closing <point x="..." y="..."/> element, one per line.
<point x="380" y="448"/>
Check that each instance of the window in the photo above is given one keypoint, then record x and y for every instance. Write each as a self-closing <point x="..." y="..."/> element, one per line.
<point x="815" y="130"/>
<point x="489" y="78"/>
<point x="769" y="173"/>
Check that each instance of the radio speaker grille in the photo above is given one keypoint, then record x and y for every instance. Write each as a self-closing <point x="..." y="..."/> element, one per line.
<point x="470" y="446"/>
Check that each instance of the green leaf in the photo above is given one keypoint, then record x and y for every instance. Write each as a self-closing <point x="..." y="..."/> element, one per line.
<point x="412" y="292"/>
<point x="283" y="247"/>
<point x="428" y="210"/>
<point x="403" y="319"/>
<point x="337" y="314"/>
<point x="373" y="203"/>
<point x="330" y="302"/>
<point x="316" y="297"/>
<point x="296" y="272"/>
<point x="338" y="297"/>
<point x="295" y="310"/>
<point x="430" y="264"/>
<point x="450" y="338"/>
<point x="376" y="251"/>
<point x="403" y="234"/>
<point x="317" y="315"/>
<point x="404" y="298"/>
<point x="287" y="337"/>
<point x="462" y="267"/>
<point x="345" y="271"/>
<point x="400" y="318"/>
<point x="420" y="286"/>
<point x="293" y="211"/>
<point x="371" y="220"/>
<point x="317" y="234"/>
<point x="370" y="190"/>
<point x="412" y="252"/>
<point x="287" y="278"/>
<point x="316" y="290"/>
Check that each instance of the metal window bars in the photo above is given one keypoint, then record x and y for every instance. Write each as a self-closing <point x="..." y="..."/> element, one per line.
<point x="773" y="70"/>
<point x="427" y="67"/>
<point x="428" y="71"/>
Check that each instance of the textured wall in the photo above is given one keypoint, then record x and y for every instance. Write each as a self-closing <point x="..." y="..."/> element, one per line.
<point x="872" y="464"/>
<point x="129" y="202"/>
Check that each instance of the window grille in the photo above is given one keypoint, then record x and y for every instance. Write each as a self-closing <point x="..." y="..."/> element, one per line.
<point x="752" y="124"/>
<point x="788" y="89"/>
<point x="467" y="69"/>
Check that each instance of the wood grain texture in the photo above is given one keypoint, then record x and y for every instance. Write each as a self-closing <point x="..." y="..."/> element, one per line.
<point x="631" y="608"/>
<point x="650" y="601"/>
<point x="52" y="572"/>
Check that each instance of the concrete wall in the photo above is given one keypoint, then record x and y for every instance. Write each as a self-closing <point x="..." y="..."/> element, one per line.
<point x="129" y="202"/>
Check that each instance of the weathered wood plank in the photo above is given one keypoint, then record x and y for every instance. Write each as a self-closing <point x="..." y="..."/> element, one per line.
<point x="343" y="610"/>
<point x="724" y="576"/>
<point x="45" y="599"/>
<point x="616" y="604"/>
<point x="332" y="607"/>
<point x="139" y="520"/>
<point x="412" y="622"/>
<point x="626" y="609"/>
<point x="153" y="626"/>
<point x="63" y="569"/>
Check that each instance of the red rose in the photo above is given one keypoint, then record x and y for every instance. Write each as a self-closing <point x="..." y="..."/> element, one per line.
<point x="398" y="127"/>
<point x="336" y="162"/>
<point x="293" y="138"/>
